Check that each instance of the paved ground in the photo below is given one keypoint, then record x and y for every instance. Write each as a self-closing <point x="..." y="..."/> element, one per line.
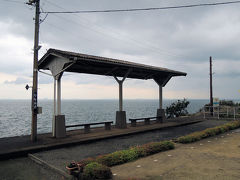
<point x="215" y="158"/>
<point x="60" y="157"/>
<point x="24" y="168"/>
<point x="22" y="145"/>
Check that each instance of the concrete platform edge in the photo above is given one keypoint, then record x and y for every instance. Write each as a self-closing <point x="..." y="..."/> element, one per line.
<point x="51" y="167"/>
<point x="25" y="151"/>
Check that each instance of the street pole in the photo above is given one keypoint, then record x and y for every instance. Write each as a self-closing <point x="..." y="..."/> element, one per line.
<point x="211" y="91"/>
<point x="35" y="72"/>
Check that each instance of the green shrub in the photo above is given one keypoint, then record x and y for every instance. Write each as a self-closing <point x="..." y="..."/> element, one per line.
<point x="120" y="157"/>
<point x="155" y="147"/>
<point x="233" y="125"/>
<point x="84" y="162"/>
<point x="227" y="103"/>
<point x="178" y="108"/>
<point x="196" y="136"/>
<point x="95" y="170"/>
<point x="189" y="138"/>
<point x="139" y="150"/>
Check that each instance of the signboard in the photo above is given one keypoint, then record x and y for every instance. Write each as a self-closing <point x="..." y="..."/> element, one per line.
<point x="215" y="102"/>
<point x="35" y="101"/>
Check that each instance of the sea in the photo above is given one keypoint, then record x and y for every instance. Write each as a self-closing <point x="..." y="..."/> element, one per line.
<point x="15" y="115"/>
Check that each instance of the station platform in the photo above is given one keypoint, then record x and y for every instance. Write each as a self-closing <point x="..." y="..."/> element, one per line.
<point x="20" y="146"/>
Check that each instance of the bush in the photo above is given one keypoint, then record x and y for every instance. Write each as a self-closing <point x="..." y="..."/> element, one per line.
<point x="118" y="157"/>
<point x="227" y="103"/>
<point x="196" y="136"/>
<point x="87" y="161"/>
<point x="177" y="109"/>
<point x="153" y="148"/>
<point x="222" y="103"/>
<point x="95" y="170"/>
<point x="140" y="151"/>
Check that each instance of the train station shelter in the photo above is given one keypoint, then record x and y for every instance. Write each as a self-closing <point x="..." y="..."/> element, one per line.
<point x="58" y="62"/>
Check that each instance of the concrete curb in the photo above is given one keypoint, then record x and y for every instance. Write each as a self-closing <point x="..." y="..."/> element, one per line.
<point x="51" y="167"/>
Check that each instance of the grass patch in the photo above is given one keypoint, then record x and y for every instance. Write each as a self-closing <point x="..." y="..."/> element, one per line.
<point x="196" y="136"/>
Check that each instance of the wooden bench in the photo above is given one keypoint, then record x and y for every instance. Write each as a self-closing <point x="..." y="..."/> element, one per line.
<point x="87" y="125"/>
<point x="146" y="120"/>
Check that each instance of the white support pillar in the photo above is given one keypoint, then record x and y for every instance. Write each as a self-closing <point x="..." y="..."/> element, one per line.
<point x="59" y="119"/>
<point x="54" y="110"/>
<point x="54" y="98"/>
<point x="121" y="115"/>
<point x="160" y="112"/>
<point x="59" y="96"/>
<point x="120" y="82"/>
<point x="120" y="95"/>
<point x="160" y="97"/>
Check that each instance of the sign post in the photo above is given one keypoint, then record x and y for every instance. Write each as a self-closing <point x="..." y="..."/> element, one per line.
<point x="215" y="102"/>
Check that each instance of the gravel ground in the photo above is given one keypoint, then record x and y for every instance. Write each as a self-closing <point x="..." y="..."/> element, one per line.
<point x="213" y="158"/>
<point x="25" y="169"/>
<point x="60" y="157"/>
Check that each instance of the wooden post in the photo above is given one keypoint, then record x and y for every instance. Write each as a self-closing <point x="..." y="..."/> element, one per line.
<point x="234" y="111"/>
<point x="35" y="73"/>
<point x="211" y="91"/>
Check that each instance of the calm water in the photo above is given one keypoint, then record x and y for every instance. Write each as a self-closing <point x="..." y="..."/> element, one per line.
<point x="15" y="115"/>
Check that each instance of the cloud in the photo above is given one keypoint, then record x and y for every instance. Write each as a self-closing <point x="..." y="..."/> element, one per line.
<point x="226" y="67"/>
<point x="180" y="39"/>
<point x="19" y="80"/>
<point x="15" y="50"/>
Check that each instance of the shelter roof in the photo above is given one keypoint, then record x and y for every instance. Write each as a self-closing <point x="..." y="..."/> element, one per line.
<point x="89" y="64"/>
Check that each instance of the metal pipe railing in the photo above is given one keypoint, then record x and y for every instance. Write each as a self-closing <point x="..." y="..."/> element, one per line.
<point x="220" y="111"/>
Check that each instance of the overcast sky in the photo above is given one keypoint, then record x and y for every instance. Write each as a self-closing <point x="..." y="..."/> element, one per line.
<point x="180" y="39"/>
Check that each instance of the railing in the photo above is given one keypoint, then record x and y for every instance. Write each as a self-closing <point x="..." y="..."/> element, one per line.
<point x="219" y="112"/>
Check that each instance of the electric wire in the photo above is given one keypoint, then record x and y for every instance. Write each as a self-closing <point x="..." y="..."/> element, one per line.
<point x="13" y="1"/>
<point x="141" y="9"/>
<point x="72" y="34"/>
<point x="98" y="29"/>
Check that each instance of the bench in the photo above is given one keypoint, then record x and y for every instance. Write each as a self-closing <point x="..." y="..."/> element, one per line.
<point x="87" y="125"/>
<point x="146" y="120"/>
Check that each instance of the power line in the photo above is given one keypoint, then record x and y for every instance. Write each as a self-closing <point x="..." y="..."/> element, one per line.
<point x="141" y="9"/>
<point x="13" y="1"/>
<point x="113" y="34"/>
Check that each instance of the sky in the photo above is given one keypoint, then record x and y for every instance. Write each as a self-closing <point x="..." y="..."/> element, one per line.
<point x="178" y="39"/>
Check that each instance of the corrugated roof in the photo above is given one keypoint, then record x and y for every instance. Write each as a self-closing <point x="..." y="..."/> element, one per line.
<point x="90" y="64"/>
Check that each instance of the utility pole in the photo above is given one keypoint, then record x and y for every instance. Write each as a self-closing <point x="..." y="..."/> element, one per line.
<point x="35" y="71"/>
<point x="211" y="92"/>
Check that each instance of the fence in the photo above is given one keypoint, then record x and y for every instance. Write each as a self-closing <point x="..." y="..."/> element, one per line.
<point x="219" y="112"/>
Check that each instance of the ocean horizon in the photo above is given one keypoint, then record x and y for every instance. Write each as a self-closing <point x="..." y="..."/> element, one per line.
<point x="15" y="116"/>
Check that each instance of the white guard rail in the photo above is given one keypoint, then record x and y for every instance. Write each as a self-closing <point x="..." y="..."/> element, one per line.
<point x="224" y="112"/>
